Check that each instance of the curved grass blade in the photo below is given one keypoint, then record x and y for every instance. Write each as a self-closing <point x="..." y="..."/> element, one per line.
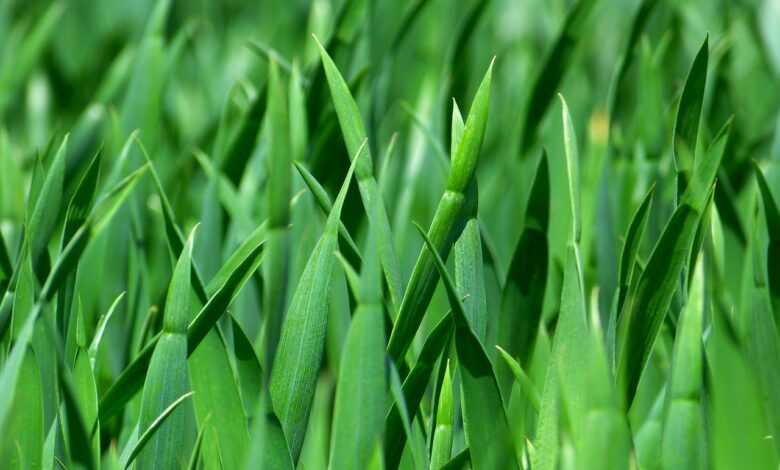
<point x="484" y="417"/>
<point x="686" y="127"/>
<point x="526" y="385"/>
<point x="46" y="208"/>
<point x="154" y="426"/>
<point x="553" y="70"/>
<point x="303" y="333"/>
<point x="646" y="304"/>
<point x="442" y="231"/>
<point x="354" y="135"/>
<point x="630" y="251"/>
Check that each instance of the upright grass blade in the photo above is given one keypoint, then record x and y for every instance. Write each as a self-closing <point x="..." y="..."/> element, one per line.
<point x="168" y="377"/>
<point x="443" y="432"/>
<point x="763" y="341"/>
<point x="302" y="343"/>
<point x="413" y="390"/>
<point x="772" y="218"/>
<point x="354" y="135"/>
<point x="275" y="268"/>
<point x="442" y="231"/>
<point x="484" y="417"/>
<point x="359" y="404"/>
<point x="646" y="304"/>
<point x="223" y="288"/>
<point x="553" y="70"/>
<point x="630" y="251"/>
<point x="46" y="207"/>
<point x="65" y="264"/>
<point x="738" y="432"/>
<point x="686" y="128"/>
<point x="683" y="438"/>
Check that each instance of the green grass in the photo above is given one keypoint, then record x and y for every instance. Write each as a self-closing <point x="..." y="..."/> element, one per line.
<point x="364" y="234"/>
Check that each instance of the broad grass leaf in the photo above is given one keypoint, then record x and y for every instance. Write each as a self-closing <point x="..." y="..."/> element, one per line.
<point x="360" y="391"/>
<point x="301" y="345"/>
<point x="683" y="437"/>
<point x="168" y="376"/>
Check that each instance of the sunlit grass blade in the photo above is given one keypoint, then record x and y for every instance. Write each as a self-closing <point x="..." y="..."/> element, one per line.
<point x="301" y="345"/>
<point x="772" y="218"/>
<point x="441" y="232"/>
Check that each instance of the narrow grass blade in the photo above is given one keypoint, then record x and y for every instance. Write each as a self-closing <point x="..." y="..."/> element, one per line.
<point x="630" y="251"/>
<point x="442" y="230"/>
<point x="354" y="135"/>
<point x="646" y="305"/>
<point x="275" y="268"/>
<point x="484" y="417"/>
<point x="413" y="388"/>
<point x="225" y="286"/>
<point x="303" y="333"/>
<point x="772" y="218"/>
<point x="443" y="432"/>
<point x="686" y="128"/>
